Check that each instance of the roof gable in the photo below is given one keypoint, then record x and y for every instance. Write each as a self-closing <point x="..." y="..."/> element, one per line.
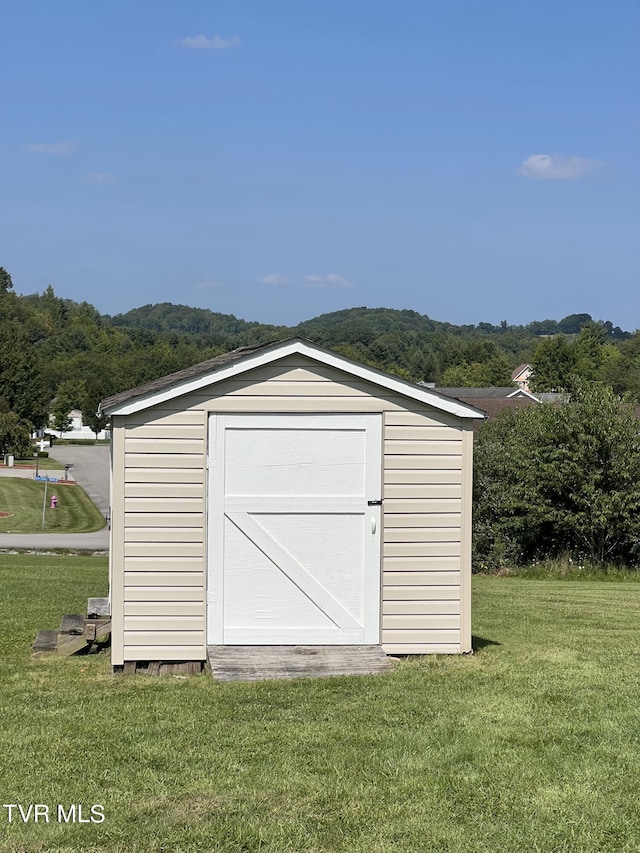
<point x="522" y="371"/>
<point x="486" y="393"/>
<point x="242" y="360"/>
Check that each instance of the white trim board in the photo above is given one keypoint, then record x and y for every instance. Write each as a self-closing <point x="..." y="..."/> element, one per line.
<point x="517" y="391"/>
<point x="311" y="351"/>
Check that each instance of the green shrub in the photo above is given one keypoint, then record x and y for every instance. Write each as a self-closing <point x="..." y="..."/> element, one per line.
<point x="556" y="479"/>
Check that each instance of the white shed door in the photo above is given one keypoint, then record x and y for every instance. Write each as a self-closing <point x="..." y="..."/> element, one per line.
<point x="293" y="543"/>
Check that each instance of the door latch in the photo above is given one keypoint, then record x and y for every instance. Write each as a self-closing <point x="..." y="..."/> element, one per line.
<point x="374" y="503"/>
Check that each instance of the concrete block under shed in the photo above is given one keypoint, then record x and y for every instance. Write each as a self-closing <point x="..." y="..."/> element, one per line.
<point x="46" y="641"/>
<point x="72" y="623"/>
<point x="98" y="608"/>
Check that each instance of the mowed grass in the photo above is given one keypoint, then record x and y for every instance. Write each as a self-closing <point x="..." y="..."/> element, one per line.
<point x="45" y="463"/>
<point x="532" y="744"/>
<point x="75" y="513"/>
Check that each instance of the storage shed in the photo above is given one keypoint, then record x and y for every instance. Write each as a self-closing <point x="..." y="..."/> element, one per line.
<point x="283" y="494"/>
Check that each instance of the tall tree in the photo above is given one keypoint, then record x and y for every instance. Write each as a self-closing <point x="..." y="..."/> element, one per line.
<point x="14" y="435"/>
<point x="67" y="398"/>
<point x="6" y="282"/>
<point x="573" y="324"/>
<point x="553" y="364"/>
<point x="588" y="350"/>
<point x="21" y="384"/>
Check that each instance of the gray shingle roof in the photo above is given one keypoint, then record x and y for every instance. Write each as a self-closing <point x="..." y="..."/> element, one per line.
<point x="209" y="366"/>
<point x="519" y="369"/>
<point x="204" y="369"/>
<point x="472" y="393"/>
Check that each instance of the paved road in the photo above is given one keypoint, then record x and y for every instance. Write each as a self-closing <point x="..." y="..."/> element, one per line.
<point x="98" y="541"/>
<point x="29" y="473"/>
<point x="91" y="470"/>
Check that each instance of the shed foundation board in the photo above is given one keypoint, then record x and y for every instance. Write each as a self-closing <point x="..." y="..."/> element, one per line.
<point x="261" y="663"/>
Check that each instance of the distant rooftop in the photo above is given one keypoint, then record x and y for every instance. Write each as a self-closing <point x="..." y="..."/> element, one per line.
<point x="474" y="393"/>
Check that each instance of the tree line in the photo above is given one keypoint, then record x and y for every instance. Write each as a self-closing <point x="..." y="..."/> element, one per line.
<point x="54" y="348"/>
<point x="57" y="355"/>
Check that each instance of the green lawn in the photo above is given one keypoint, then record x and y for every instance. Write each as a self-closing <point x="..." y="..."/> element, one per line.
<point x="532" y="744"/>
<point x="75" y="513"/>
<point x="45" y="463"/>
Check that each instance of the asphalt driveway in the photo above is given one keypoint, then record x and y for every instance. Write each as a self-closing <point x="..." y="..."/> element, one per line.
<point x="90" y="468"/>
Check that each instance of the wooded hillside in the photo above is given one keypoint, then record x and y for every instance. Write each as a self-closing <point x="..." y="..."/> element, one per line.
<point x="52" y="347"/>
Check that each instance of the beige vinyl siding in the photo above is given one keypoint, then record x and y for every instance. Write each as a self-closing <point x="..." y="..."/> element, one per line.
<point x="422" y="539"/>
<point x="165" y="476"/>
<point x="168" y="595"/>
<point x="164" y="547"/>
<point x="170" y="414"/>
<point x="347" y="405"/>
<point x="170" y="609"/>
<point x="465" y="592"/>
<point x="406" y="607"/>
<point x="156" y="577"/>
<point x="163" y="534"/>
<point x="159" y="490"/>
<point x="426" y="491"/>
<point x="422" y="490"/>
<point x="116" y="550"/>
<point x="422" y="534"/>
<point x="177" y="461"/>
<point x="165" y="519"/>
<point x="297" y="384"/>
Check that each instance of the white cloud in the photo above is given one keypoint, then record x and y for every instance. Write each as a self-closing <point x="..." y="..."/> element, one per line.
<point x="208" y="285"/>
<point x="51" y="148"/>
<point x="330" y="280"/>
<point x="275" y="279"/>
<point x="213" y="43"/>
<point x="99" y="178"/>
<point x="555" y="167"/>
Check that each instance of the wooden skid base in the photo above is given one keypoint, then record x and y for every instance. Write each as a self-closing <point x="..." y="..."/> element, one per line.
<point x="258" y="663"/>
<point x="158" y="667"/>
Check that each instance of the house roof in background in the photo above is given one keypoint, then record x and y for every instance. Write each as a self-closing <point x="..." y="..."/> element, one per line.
<point x="492" y="400"/>
<point x="521" y="368"/>
<point x="492" y="405"/>
<point x="484" y="393"/>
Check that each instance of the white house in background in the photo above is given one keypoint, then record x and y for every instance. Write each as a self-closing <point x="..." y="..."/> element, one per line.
<point x="521" y="376"/>
<point x="77" y="430"/>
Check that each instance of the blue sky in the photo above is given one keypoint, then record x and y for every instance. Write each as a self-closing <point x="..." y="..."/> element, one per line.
<point x="473" y="161"/>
